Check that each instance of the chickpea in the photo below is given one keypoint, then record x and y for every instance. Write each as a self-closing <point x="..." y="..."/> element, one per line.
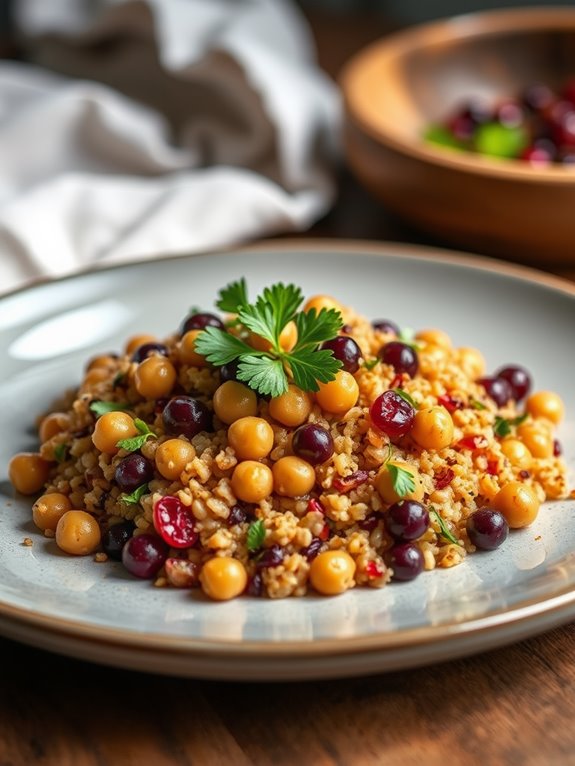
<point x="95" y="375"/>
<point x="288" y="339"/>
<point x="173" y="456"/>
<point x="223" y="578"/>
<point x="471" y="362"/>
<point x="339" y="395"/>
<point x="537" y="439"/>
<point x="292" y="408"/>
<point x="252" y="481"/>
<point x="28" y="472"/>
<point x="435" y="338"/>
<point x="546" y="404"/>
<point x="233" y="401"/>
<point x="105" y="361"/>
<point x="49" y="509"/>
<point x="110" y="428"/>
<point x="293" y="477"/>
<point x="431" y="360"/>
<point x="138" y="340"/>
<point x="53" y="424"/>
<point x="517" y="453"/>
<point x="78" y="533"/>
<point x="332" y="572"/>
<point x="319" y="302"/>
<point x="155" y="377"/>
<point x="251" y="438"/>
<point x="384" y="483"/>
<point x="187" y="350"/>
<point x="518" y="503"/>
<point x="433" y="428"/>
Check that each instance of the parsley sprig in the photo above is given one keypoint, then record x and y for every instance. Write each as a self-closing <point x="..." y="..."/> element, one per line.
<point x="444" y="530"/>
<point x="136" y="442"/>
<point x="402" y="480"/>
<point x="101" y="408"/>
<point x="134" y="497"/>
<point x="502" y="427"/>
<point x="256" y="535"/>
<point x="268" y="372"/>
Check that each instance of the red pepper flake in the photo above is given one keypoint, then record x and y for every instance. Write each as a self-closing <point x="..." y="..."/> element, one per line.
<point x="324" y="534"/>
<point x="372" y="570"/>
<point x="492" y="467"/>
<point x="395" y="383"/>
<point x="472" y="442"/>
<point x="444" y="478"/>
<point x="347" y="483"/>
<point x="450" y="402"/>
<point x="314" y="506"/>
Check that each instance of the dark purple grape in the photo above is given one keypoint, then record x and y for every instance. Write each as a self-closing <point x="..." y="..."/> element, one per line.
<point x="115" y="537"/>
<point x="385" y="325"/>
<point x="270" y="557"/>
<point x="186" y="415"/>
<point x="311" y="551"/>
<point x="255" y="586"/>
<point x="346" y="350"/>
<point x="406" y="560"/>
<point x="133" y="471"/>
<point x="144" y="556"/>
<point x="237" y="515"/>
<point x="392" y="414"/>
<point x="400" y="356"/>
<point x="537" y="97"/>
<point x="497" y="389"/>
<point x="201" y="321"/>
<point x="487" y="529"/>
<point x="229" y="371"/>
<point x="518" y="378"/>
<point x="147" y="349"/>
<point x="406" y="520"/>
<point x="370" y="522"/>
<point x="312" y="443"/>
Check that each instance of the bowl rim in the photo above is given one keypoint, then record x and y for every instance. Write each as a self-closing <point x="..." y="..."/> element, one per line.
<point x="480" y="24"/>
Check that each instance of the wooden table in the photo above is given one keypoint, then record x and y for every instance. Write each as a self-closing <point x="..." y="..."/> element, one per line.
<point x="514" y="706"/>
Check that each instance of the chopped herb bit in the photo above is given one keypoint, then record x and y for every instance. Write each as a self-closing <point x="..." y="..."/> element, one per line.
<point x="101" y="408"/>
<point x="402" y="480"/>
<point x="405" y="396"/>
<point x="477" y="405"/>
<point x="443" y="528"/>
<point x="256" y="535"/>
<point x="407" y="336"/>
<point x="194" y="310"/>
<point x="369" y="364"/>
<point x="118" y="378"/>
<point x="135" y="497"/>
<point x="61" y="452"/>
<point x="233" y="297"/>
<point x="136" y="442"/>
<point x="502" y="427"/>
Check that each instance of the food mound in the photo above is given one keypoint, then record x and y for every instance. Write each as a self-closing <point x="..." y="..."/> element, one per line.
<point x="278" y="448"/>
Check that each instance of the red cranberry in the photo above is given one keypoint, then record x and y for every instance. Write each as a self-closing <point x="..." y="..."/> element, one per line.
<point x="174" y="522"/>
<point x="518" y="378"/>
<point x="406" y="561"/>
<point x="462" y="126"/>
<point x="345" y="350"/>
<point x="400" y="356"/>
<point x="497" y="389"/>
<point x="536" y="156"/>
<point x="487" y="529"/>
<point x="557" y="448"/>
<point x="406" y="520"/>
<point x="313" y="443"/>
<point x="392" y="414"/>
<point x="144" y="556"/>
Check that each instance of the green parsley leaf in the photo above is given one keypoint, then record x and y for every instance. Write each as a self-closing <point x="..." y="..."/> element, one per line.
<point x="194" y="310"/>
<point x="444" y="529"/>
<point x="233" y="297"/>
<point x="221" y="347"/>
<point x="405" y="396"/>
<point x="101" y="408"/>
<point x="256" y="535"/>
<point x="502" y="427"/>
<point x="284" y="301"/>
<point x="61" y="452"/>
<point x="314" y="328"/>
<point x="259" y="319"/>
<point x="369" y="364"/>
<point x="407" y="336"/>
<point x="136" y="442"/>
<point x="476" y="405"/>
<point x="263" y="374"/>
<point x="308" y="367"/>
<point x="402" y="481"/>
<point x="135" y="497"/>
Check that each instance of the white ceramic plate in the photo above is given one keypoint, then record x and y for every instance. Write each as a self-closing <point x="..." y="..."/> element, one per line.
<point x="100" y="613"/>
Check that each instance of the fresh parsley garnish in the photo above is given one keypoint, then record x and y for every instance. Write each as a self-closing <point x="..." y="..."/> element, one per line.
<point x="443" y="528"/>
<point x="502" y="427"/>
<point x="256" y="535"/>
<point x="61" y="452"/>
<point x="135" y="497"/>
<point x="136" y="442"/>
<point x="268" y="372"/>
<point x="405" y="396"/>
<point x="407" y="336"/>
<point x="369" y="364"/>
<point x="402" y="480"/>
<point x="476" y="405"/>
<point x="101" y="408"/>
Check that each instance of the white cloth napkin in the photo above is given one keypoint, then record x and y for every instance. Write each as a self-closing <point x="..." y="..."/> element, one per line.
<point x="158" y="127"/>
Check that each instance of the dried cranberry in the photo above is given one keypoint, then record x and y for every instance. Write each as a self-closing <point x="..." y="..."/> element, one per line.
<point x="472" y="442"/>
<point x="314" y="506"/>
<point x="444" y="478"/>
<point x="392" y="414"/>
<point x="450" y="402"/>
<point x="492" y="466"/>
<point x="557" y="448"/>
<point x="373" y="570"/>
<point x="237" y="515"/>
<point x="270" y="557"/>
<point x="174" y="522"/>
<point x="347" y="483"/>
<point x="255" y="586"/>
<point x="312" y="549"/>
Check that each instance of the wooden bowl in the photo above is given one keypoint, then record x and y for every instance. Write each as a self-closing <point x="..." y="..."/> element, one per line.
<point x="394" y="88"/>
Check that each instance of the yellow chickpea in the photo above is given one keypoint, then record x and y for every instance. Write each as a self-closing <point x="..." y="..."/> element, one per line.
<point x="155" y="377"/>
<point x="49" y="509"/>
<point x="104" y="361"/>
<point x="432" y="360"/>
<point x="471" y="362"/>
<point x="332" y="572"/>
<point x="110" y="428"/>
<point x="435" y="337"/>
<point x="339" y="395"/>
<point x="518" y="503"/>
<point x="517" y="453"/>
<point x="223" y="578"/>
<point x="251" y="438"/>
<point x="288" y="339"/>
<point x="95" y="375"/>
<point x="233" y="401"/>
<point x="432" y="428"/>
<point x="293" y="477"/>
<point x="53" y="424"/>
<point x="78" y="533"/>
<point x="187" y="350"/>
<point x="28" y="472"/>
<point x="252" y="481"/>
<point x="384" y="483"/>
<point x="292" y="408"/>
<point x="546" y="404"/>
<point x="319" y="302"/>
<point x="138" y="340"/>
<point x="172" y="456"/>
<point x="537" y="439"/>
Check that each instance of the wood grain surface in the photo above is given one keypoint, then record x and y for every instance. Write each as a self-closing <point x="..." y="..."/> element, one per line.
<point x="514" y="706"/>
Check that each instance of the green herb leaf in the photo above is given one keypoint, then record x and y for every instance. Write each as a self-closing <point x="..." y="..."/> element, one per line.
<point x="407" y="336"/>
<point x="61" y="452"/>
<point x="284" y="301"/>
<point x="118" y="378"/>
<point x="309" y="366"/>
<point x="264" y="374"/>
<point x="369" y="364"/>
<point x="135" y="497"/>
<point x="256" y="535"/>
<point x="259" y="319"/>
<point x="314" y="328"/>
<point x="233" y="297"/>
<point x="405" y="396"/>
<point x="502" y="427"/>
<point x="101" y="408"/>
<point x="477" y="405"/>
<point x="136" y="442"/>
<point x="444" y="529"/>
<point x="221" y="347"/>
<point x="402" y="481"/>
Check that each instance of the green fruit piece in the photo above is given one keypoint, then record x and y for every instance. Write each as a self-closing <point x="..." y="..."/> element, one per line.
<point x="437" y="134"/>
<point x="496" y="140"/>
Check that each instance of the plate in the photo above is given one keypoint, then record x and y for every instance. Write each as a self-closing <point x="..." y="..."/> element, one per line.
<point x="99" y="613"/>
